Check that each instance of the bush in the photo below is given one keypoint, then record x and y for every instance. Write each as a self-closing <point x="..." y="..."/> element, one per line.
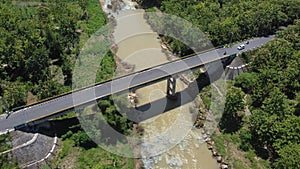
<point x="246" y="137"/>
<point x="83" y="140"/>
<point x="246" y="81"/>
<point x="67" y="135"/>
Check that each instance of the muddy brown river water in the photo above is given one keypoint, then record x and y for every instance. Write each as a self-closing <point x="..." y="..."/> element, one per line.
<point x="140" y="46"/>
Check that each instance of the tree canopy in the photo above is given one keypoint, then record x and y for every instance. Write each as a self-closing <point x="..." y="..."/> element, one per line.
<point x="233" y="111"/>
<point x="227" y="21"/>
<point x="273" y="84"/>
<point x="37" y="39"/>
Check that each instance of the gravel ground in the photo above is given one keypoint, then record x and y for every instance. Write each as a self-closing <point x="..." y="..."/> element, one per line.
<point x="237" y="61"/>
<point x="20" y="137"/>
<point x="33" y="152"/>
<point x="232" y="73"/>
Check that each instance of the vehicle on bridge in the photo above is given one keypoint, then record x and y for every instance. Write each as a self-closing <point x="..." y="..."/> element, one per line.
<point x="241" y="47"/>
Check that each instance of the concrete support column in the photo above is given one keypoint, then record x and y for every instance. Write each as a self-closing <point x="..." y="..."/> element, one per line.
<point x="171" y="88"/>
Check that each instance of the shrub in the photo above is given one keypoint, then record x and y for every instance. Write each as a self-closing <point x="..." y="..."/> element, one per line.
<point x="67" y="135"/>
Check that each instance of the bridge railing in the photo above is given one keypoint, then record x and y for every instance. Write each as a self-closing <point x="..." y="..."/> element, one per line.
<point x="53" y="114"/>
<point x="98" y="83"/>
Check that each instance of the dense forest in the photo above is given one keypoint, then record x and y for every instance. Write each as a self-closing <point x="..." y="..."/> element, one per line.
<point x="34" y="42"/>
<point x="227" y="21"/>
<point x="39" y="44"/>
<point x="269" y="91"/>
<point x="273" y="83"/>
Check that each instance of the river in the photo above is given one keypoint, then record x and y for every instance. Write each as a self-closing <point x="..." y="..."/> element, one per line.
<point x="140" y="46"/>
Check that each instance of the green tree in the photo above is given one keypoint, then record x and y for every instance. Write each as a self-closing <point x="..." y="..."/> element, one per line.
<point x="233" y="111"/>
<point x="48" y="88"/>
<point x="246" y="81"/>
<point x="297" y="101"/>
<point x="274" y="125"/>
<point x="228" y="21"/>
<point x="15" y="94"/>
<point x="81" y="139"/>
<point x="289" y="157"/>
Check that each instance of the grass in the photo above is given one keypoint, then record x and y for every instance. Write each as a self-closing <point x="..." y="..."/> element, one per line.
<point x="256" y="163"/>
<point x="219" y="143"/>
<point x="205" y="95"/>
<point x="66" y="116"/>
<point x="222" y="141"/>
<point x="239" y="164"/>
<point x="96" y="19"/>
<point x="97" y="156"/>
<point x="66" y="148"/>
<point x="46" y="167"/>
<point x="107" y="68"/>
<point x="90" y="158"/>
<point x="251" y="156"/>
<point x="234" y="138"/>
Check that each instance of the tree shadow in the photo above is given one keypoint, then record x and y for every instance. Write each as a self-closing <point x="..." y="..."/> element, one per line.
<point x="230" y="124"/>
<point x="149" y="4"/>
<point x="259" y="149"/>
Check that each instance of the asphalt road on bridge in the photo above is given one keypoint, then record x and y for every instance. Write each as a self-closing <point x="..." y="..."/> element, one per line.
<point x="160" y="72"/>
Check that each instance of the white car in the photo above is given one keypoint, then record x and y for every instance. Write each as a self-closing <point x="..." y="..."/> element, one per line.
<point x="242" y="46"/>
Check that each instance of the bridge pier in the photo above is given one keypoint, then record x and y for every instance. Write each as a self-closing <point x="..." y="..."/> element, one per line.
<point x="171" y="88"/>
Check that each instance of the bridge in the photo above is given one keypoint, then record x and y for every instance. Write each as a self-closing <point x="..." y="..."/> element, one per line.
<point x="56" y="106"/>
